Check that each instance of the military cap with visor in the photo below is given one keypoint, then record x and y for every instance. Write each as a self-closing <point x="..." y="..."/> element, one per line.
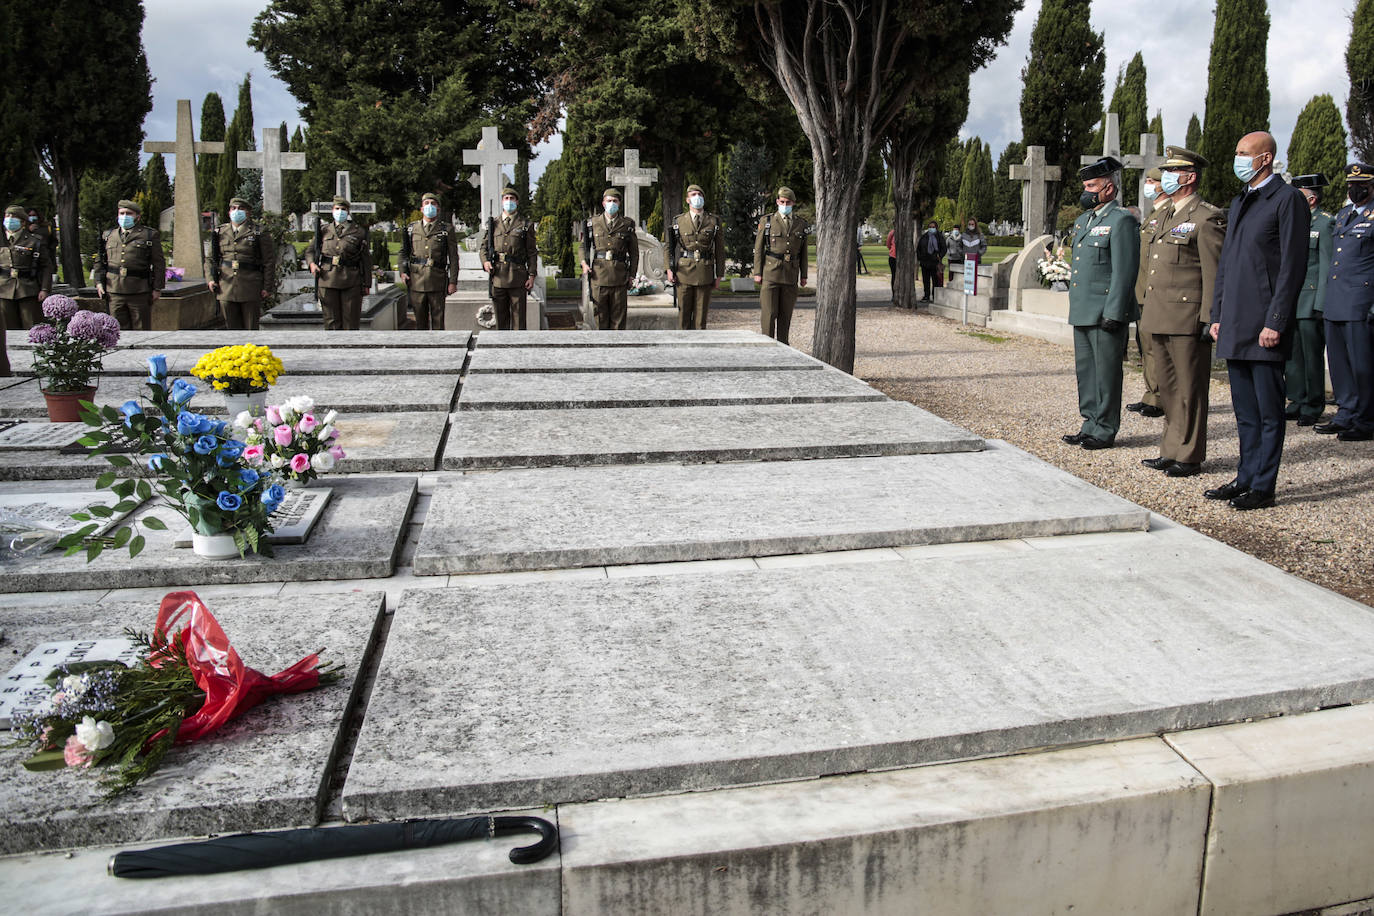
<point x="341" y="203"/>
<point x="1310" y="182"/>
<point x="240" y="202"/>
<point x="510" y="192"/>
<point x="697" y="188"/>
<point x="1154" y="174"/>
<point x="1359" y="171"/>
<point x="1176" y="157"/>
<point x="429" y="195"/>
<point x="1103" y="167"/>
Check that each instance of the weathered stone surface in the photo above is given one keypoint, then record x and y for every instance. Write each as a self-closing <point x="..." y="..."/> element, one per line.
<point x="594" y="689"/>
<point x="557" y="390"/>
<point x="205" y="341"/>
<point x="705" y="338"/>
<point x="558" y="517"/>
<point x="754" y="432"/>
<point x="268" y="769"/>
<point x="358" y="538"/>
<point x="296" y="360"/>
<point x="639" y="359"/>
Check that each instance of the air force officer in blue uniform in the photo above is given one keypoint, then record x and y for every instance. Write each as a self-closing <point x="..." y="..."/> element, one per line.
<point x="1347" y="308"/>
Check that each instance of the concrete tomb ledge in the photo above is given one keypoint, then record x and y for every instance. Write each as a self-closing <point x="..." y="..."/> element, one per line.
<point x="560" y="339"/>
<point x="297" y="361"/>
<point x="748" y="432"/>
<point x="561" y="517"/>
<point x="359" y="536"/>
<point x="270" y="768"/>
<point x="209" y="340"/>
<point x="640" y="359"/>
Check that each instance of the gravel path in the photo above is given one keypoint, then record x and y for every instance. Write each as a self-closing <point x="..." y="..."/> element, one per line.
<point x="1022" y="390"/>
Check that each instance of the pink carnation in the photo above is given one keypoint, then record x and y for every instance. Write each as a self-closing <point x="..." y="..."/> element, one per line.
<point x="273" y="414"/>
<point x="300" y="463"/>
<point x="337" y="452"/>
<point x="253" y="454"/>
<point x="76" y="755"/>
<point x="307" y="423"/>
<point x="283" y="435"/>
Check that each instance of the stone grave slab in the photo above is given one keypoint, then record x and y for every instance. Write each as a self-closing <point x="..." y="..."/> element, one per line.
<point x="704" y="338"/>
<point x="205" y="341"/>
<point x="297" y="361"/>
<point x="611" y="516"/>
<point x="557" y="390"/>
<point x="358" y="538"/>
<point x="663" y="684"/>
<point x="750" y="432"/>
<point x="25" y="436"/>
<point x="639" y="359"/>
<point x="15" y="380"/>
<point x="269" y="769"/>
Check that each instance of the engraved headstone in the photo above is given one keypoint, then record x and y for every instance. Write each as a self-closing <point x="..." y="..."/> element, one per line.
<point x="186" y="248"/>
<point x="24" y="690"/>
<point x="53" y="510"/>
<point x="272" y="160"/>
<point x="293" y="520"/>
<point x="41" y="435"/>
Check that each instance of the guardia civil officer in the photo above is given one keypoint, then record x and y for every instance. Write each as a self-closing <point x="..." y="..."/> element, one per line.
<point x="130" y="266"/>
<point x="1347" y="306"/>
<point x="615" y="258"/>
<point x="429" y="264"/>
<point x="1102" y="303"/>
<point x="242" y="266"/>
<point x="1148" y="405"/>
<point x="780" y="262"/>
<point x="343" y="265"/>
<point x="1304" y="375"/>
<point x="513" y="246"/>
<point x="700" y="241"/>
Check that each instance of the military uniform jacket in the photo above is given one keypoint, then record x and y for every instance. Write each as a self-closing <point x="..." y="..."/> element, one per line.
<point x="1147" y="233"/>
<point x="433" y="256"/>
<point x="615" y="250"/>
<point x="131" y="262"/>
<point x="1106" y="259"/>
<point x="700" y="251"/>
<point x="1350" y="282"/>
<point x="24" y="265"/>
<point x="243" y="259"/>
<point x="517" y="254"/>
<point x="780" y="253"/>
<point x="1319" y="248"/>
<point x="1183" y="255"/>
<point x="344" y="257"/>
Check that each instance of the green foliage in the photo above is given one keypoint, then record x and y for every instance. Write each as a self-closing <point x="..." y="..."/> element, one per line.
<point x="1359" y="65"/>
<point x="293" y="199"/>
<point x="1132" y="109"/>
<point x="945" y="214"/>
<point x="1318" y="145"/>
<point x="157" y="189"/>
<point x="1237" y="91"/>
<point x="101" y="191"/>
<point x="233" y="181"/>
<point x="1193" y="139"/>
<point x="381" y="253"/>
<point x="744" y="197"/>
<point x="975" y="199"/>
<point x="1007" y="193"/>
<point x="276" y="226"/>
<point x="212" y="127"/>
<point x="1157" y="128"/>
<point x="953" y="175"/>
<point x="565" y="253"/>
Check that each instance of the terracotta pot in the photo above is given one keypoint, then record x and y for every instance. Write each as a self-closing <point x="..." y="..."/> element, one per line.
<point x="63" y="406"/>
<point x="214" y="546"/>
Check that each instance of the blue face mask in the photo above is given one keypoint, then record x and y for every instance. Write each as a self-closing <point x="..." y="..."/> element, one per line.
<point x="340" y="216"/>
<point x="1244" y="167"/>
<point x="612" y="208"/>
<point x="237" y="216"/>
<point x="12" y="223"/>
<point x="1168" y="182"/>
<point x="1151" y="191"/>
<point x="785" y="209"/>
<point x="696" y="201"/>
<point x="430" y="211"/>
<point x="509" y="205"/>
<point x="126" y="221"/>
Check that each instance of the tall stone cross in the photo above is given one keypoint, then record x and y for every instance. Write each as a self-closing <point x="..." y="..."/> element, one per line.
<point x="489" y="156"/>
<point x="633" y="178"/>
<point x="1145" y="160"/>
<point x="1034" y="193"/>
<point x="186" y="249"/>
<point x="343" y="187"/>
<point x="272" y="161"/>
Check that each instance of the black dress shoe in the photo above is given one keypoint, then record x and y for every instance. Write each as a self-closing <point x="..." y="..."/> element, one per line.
<point x="1355" y="435"/>
<point x="1329" y="428"/>
<point x="1136" y="407"/>
<point x="1226" y="491"/>
<point x="1253" y="499"/>
<point x="1292" y="413"/>
<point x="1308" y="421"/>
<point x="1073" y="438"/>
<point x="1184" y="469"/>
<point x="1148" y="411"/>
<point x="1092" y="443"/>
<point x="1158" y="464"/>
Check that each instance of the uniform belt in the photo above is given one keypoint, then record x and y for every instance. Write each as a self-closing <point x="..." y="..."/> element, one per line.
<point x="146" y="274"/>
<point x="696" y="255"/>
<point x="611" y="256"/>
<point x="421" y="262"/>
<point x="338" y="261"/>
<point x="239" y="265"/>
<point x="780" y="257"/>
<point x="22" y="273"/>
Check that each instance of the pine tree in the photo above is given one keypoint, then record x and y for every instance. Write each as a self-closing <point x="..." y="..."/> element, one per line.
<point x="1359" y="64"/>
<point x="207" y="164"/>
<point x="1318" y="145"/>
<point x="1007" y="193"/>
<point x="1193" y="138"/>
<point x="1237" y="91"/>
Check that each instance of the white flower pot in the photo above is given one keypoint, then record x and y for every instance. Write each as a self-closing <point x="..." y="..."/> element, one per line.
<point x="255" y="402"/>
<point x="214" y="546"/>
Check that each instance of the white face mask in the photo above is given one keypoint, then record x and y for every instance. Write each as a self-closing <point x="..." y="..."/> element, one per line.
<point x="340" y="216"/>
<point x="696" y="201"/>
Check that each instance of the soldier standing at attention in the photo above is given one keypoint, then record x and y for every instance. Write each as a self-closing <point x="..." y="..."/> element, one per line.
<point x="615" y="257"/>
<point x="1183" y="253"/>
<point x="1102" y="304"/>
<point x="1305" y="372"/>
<point x="429" y="264"/>
<point x="25" y="278"/>
<point x="1148" y="405"/>
<point x="780" y="261"/>
<point x="516" y="258"/>
<point x="1347" y="307"/>
<point x="241" y="266"/>
<point x="344" y="267"/>
<point x="130" y="266"/>
<point x="700" y="260"/>
<point x="43" y="228"/>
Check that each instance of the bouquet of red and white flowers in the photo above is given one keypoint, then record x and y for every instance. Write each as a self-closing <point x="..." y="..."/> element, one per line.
<point x="290" y="439"/>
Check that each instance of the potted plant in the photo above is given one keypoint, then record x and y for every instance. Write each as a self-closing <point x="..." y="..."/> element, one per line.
<point x="243" y="373"/>
<point x="290" y="440"/>
<point x="67" y="355"/>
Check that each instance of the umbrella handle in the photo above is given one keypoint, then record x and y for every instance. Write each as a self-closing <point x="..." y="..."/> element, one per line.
<point x="524" y="855"/>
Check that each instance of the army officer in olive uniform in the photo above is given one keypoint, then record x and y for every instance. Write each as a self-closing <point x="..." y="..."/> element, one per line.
<point x="1304" y="375"/>
<point x="1102" y="304"/>
<point x="1148" y="405"/>
<point x="512" y="245"/>
<point x="130" y="267"/>
<point x="1183" y="252"/>
<point x="700" y="256"/>
<point x="615" y="258"/>
<point x="780" y="261"/>
<point x="25" y="278"/>
<point x="429" y="264"/>
<point x="242" y="267"/>
<point x="344" y="267"/>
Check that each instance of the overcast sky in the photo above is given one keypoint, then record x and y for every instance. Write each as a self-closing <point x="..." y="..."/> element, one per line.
<point x="196" y="46"/>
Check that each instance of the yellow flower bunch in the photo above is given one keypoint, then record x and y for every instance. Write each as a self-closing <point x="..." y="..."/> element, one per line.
<point x="239" y="369"/>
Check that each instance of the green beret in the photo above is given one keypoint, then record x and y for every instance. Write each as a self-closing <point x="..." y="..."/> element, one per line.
<point x="341" y="203"/>
<point x="610" y="192"/>
<point x="1154" y="174"/>
<point x="130" y="205"/>
<point x="429" y="195"/>
<point x="240" y="202"/>
<point x="786" y="192"/>
<point x="510" y="192"/>
<point x="16" y="210"/>
<point x="697" y="188"/>
<point x="1176" y="157"/>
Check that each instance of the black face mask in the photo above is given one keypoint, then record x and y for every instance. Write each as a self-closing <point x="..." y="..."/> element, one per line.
<point x="1359" y="193"/>
<point x="1088" y="199"/>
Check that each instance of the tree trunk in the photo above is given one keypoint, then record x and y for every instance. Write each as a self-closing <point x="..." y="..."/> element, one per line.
<point x="839" y="185"/>
<point x="673" y="170"/>
<point x="65" y="189"/>
<point x="904" y="274"/>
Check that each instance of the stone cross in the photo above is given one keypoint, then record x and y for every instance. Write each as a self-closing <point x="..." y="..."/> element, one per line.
<point x="1145" y="160"/>
<point x="1034" y="195"/>
<point x="272" y="161"/>
<point x="634" y="178"/>
<point x="186" y="248"/>
<point x="343" y="188"/>
<point x="489" y="157"/>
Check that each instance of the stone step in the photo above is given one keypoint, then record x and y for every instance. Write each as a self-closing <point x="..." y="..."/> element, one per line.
<point x="579" y="339"/>
<point x="639" y="359"/>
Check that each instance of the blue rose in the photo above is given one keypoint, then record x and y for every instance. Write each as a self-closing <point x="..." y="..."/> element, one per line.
<point x="186" y="424"/>
<point x="157" y="370"/>
<point x="205" y="445"/>
<point x="219" y="427"/>
<point x="182" y="391"/>
<point x="272" y="497"/>
<point x="229" y="452"/>
<point x="130" y="409"/>
<point x="248" y="477"/>
<point x="203" y="423"/>
<point x="228" y="501"/>
<point x="155" y="461"/>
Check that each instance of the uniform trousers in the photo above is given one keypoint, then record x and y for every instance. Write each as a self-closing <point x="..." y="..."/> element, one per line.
<point x="1350" y="352"/>
<point x="343" y="308"/>
<point x="1097" y="356"/>
<point x="133" y="312"/>
<point x="1149" y="367"/>
<point x="610" y="303"/>
<point x="776" y="302"/>
<point x="21" y="314"/>
<point x="509" y="302"/>
<point x="1184" y="366"/>
<point x="1257" y="397"/>
<point x="429" y="309"/>
<point x="5" y="371"/>
<point x="693" y="303"/>
<point x="1305" y="373"/>
<point x="239" y="316"/>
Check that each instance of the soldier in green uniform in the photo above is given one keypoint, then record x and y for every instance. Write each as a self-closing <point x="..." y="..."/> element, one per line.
<point x="1148" y="405"/>
<point x="780" y="261"/>
<point x="344" y="267"/>
<point x="241" y="266"/>
<point x="1305" y="372"/>
<point x="615" y="258"/>
<point x="429" y="264"/>
<point x="25" y="278"/>
<point x="1183" y="252"/>
<point x="130" y="267"/>
<point x="700" y="240"/>
<point x="511" y="256"/>
<point x="42" y="227"/>
<point x="1102" y="304"/>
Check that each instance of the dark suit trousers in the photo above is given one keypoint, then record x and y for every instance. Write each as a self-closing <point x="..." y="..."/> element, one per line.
<point x="239" y="316"/>
<point x="776" y="302"/>
<point x="1097" y="356"/>
<point x="1183" y="365"/>
<point x="1351" y="354"/>
<point x="693" y="304"/>
<point x="928" y="274"/>
<point x="1305" y="372"/>
<point x="1257" y="397"/>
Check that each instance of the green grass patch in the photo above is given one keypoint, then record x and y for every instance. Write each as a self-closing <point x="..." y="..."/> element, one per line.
<point x="985" y="336"/>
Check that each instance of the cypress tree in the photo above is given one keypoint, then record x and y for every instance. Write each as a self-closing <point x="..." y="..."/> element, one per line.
<point x="954" y="169"/>
<point x="967" y="201"/>
<point x="157" y="189"/>
<point x="207" y="164"/>
<point x="1157" y="128"/>
<point x="1007" y="193"/>
<point x="1237" y="91"/>
<point x="1193" y="138"/>
<point x="1359" y="64"/>
<point x="238" y="136"/>
<point x="1133" y="111"/>
<point x="1318" y="145"/>
<point x="293" y="199"/>
<point x="985" y="198"/>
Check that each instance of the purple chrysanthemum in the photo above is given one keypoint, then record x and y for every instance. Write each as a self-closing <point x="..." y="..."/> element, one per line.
<point x="83" y="326"/>
<point x="107" y="329"/>
<point x="59" y="307"/>
<point x="42" y="334"/>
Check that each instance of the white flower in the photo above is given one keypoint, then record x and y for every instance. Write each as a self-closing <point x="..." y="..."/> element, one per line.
<point x="330" y="417"/>
<point x="95" y="735"/>
<point x="74" y="685"/>
<point x="277" y="462"/>
<point x="301" y="403"/>
<point x="322" y="462"/>
<point x="324" y="432"/>
<point x="243" y="420"/>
